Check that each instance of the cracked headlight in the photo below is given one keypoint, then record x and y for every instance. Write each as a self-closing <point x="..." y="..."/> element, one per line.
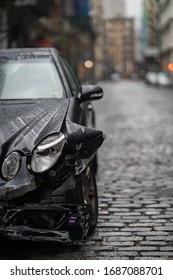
<point x="47" y="153"/>
<point x="11" y="165"/>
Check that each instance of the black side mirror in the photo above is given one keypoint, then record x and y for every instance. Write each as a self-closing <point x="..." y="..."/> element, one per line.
<point x="90" y="93"/>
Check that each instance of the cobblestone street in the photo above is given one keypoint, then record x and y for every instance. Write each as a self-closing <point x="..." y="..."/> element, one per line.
<point x="135" y="179"/>
<point x="136" y="173"/>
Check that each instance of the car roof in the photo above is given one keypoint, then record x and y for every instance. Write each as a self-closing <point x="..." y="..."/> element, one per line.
<point x="28" y="52"/>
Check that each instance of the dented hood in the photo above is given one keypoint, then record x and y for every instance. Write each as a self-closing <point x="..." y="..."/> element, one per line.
<point x="24" y="123"/>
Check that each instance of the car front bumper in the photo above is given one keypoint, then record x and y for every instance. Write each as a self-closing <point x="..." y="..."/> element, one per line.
<point x="46" y="222"/>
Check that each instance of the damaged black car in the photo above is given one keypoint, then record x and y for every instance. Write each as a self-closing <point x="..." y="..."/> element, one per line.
<point x="48" y="147"/>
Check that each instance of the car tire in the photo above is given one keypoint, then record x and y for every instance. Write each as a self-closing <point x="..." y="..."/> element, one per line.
<point x="95" y="164"/>
<point x="90" y="196"/>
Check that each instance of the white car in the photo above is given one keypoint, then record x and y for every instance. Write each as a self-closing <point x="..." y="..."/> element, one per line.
<point x="163" y="79"/>
<point x="151" y="78"/>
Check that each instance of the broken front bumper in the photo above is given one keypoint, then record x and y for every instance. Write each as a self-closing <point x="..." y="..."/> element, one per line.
<point x="46" y="222"/>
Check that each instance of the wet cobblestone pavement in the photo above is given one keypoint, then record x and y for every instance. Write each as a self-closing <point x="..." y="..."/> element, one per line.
<point x="135" y="180"/>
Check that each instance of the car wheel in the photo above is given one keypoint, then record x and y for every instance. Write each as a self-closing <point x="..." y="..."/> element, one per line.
<point x="95" y="164"/>
<point x="89" y="190"/>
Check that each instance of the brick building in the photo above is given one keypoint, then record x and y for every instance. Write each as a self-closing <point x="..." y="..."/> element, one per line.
<point x="119" y="33"/>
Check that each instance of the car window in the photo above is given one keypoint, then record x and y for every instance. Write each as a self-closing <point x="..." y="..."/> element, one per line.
<point x="72" y="79"/>
<point x="29" y="78"/>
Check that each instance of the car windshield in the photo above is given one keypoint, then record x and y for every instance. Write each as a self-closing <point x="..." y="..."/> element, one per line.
<point x="29" y="79"/>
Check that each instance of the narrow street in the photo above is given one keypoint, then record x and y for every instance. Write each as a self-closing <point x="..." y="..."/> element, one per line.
<point x="135" y="180"/>
<point x="136" y="172"/>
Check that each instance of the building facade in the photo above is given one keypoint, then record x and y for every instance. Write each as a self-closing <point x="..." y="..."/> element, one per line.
<point x="99" y="41"/>
<point x="119" y="34"/>
<point x="113" y="8"/>
<point x="166" y="33"/>
<point x="150" y="43"/>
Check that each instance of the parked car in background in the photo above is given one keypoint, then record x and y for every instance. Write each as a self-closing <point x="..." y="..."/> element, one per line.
<point x="151" y="78"/>
<point x="48" y="144"/>
<point x="164" y="79"/>
<point x="116" y="77"/>
<point x="159" y="79"/>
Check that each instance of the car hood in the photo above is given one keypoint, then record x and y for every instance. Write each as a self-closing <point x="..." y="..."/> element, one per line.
<point x="25" y="123"/>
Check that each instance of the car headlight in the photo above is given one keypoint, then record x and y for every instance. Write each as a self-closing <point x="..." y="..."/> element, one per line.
<point x="47" y="153"/>
<point x="11" y="165"/>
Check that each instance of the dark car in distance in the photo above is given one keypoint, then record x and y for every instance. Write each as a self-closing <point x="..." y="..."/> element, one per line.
<point x="48" y="147"/>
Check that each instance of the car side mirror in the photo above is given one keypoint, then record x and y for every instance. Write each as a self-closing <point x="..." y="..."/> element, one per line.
<point x="90" y="93"/>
